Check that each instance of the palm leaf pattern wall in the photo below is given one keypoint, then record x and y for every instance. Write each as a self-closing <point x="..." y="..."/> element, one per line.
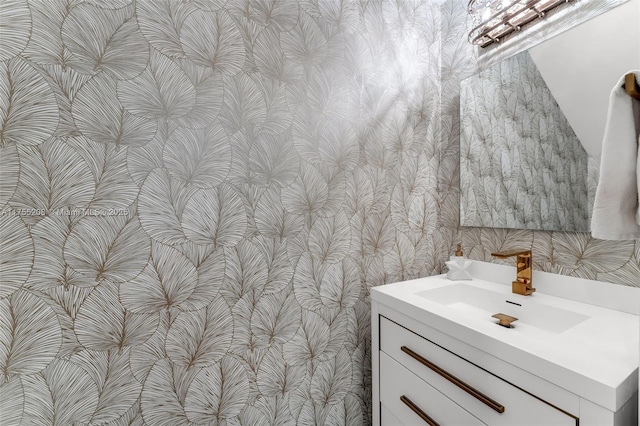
<point x="230" y="178"/>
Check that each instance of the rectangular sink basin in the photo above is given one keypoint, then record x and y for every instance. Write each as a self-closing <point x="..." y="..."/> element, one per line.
<point x="479" y="303"/>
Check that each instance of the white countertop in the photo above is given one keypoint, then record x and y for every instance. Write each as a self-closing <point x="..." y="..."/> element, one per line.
<point x="596" y="359"/>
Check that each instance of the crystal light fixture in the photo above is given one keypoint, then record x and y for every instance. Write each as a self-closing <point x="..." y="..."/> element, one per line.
<point x="494" y="19"/>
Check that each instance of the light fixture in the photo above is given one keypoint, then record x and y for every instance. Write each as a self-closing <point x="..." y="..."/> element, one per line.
<point x="494" y="19"/>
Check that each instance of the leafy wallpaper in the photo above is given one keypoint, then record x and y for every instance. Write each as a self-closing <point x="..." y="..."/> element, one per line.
<point x="521" y="164"/>
<point x="197" y="195"/>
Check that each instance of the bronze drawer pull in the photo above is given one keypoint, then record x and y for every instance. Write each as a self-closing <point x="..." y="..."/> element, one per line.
<point x="424" y="416"/>
<point x="453" y="379"/>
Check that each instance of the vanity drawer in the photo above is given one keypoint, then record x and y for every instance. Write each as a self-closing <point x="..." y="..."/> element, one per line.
<point x="486" y="396"/>
<point x="399" y="388"/>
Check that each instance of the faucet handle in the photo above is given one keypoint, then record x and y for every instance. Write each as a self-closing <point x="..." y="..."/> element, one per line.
<point x="504" y="319"/>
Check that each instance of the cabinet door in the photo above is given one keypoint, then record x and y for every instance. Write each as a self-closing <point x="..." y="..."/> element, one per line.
<point x="486" y="396"/>
<point x="408" y="400"/>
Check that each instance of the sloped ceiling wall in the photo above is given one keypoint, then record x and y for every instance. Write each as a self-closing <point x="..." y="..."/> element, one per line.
<point x="607" y="47"/>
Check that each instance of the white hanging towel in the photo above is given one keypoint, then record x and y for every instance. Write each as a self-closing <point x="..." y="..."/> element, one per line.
<point x="616" y="210"/>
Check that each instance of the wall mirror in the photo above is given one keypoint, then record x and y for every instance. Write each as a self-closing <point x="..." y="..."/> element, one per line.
<point x="531" y="126"/>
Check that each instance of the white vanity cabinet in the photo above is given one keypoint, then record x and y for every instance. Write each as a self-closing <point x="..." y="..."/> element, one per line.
<point x="450" y="389"/>
<point x="433" y="371"/>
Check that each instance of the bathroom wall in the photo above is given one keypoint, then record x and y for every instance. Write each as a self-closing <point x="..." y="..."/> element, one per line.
<point x="197" y="196"/>
<point x="568" y="253"/>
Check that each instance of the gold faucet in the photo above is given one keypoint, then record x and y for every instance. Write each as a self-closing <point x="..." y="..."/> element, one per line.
<point x="522" y="284"/>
